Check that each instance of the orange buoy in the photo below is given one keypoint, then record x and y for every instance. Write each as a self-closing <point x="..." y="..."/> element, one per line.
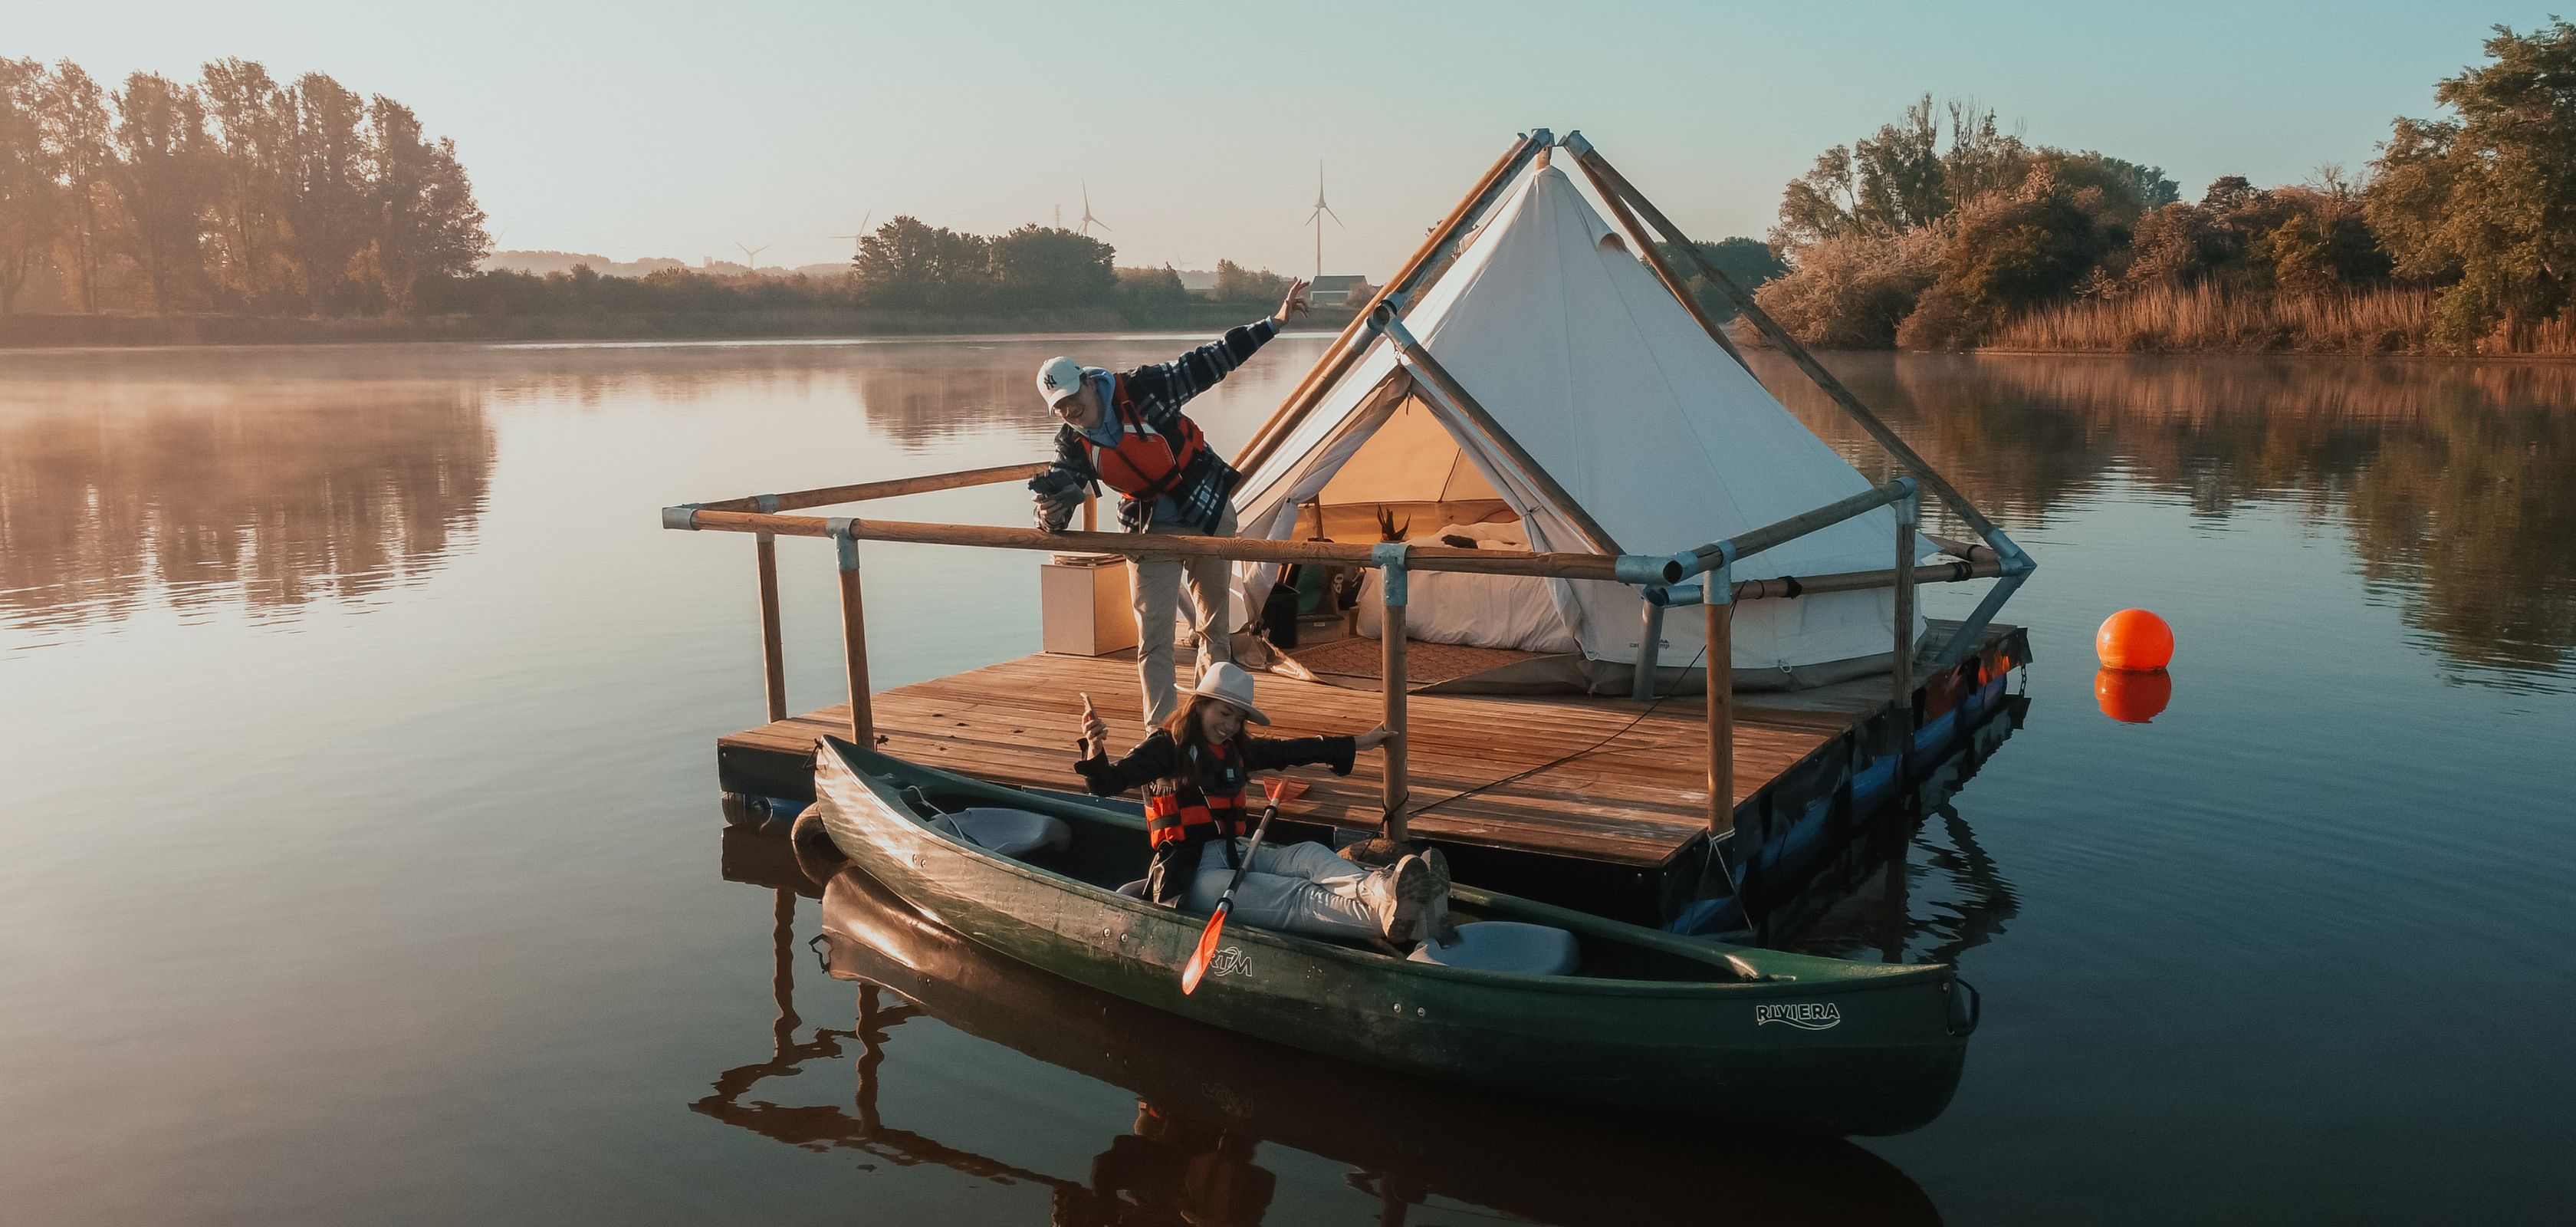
<point x="2134" y="639"/>
<point x="2132" y="696"/>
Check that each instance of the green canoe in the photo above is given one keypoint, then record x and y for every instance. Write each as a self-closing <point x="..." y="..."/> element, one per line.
<point x="1645" y="1019"/>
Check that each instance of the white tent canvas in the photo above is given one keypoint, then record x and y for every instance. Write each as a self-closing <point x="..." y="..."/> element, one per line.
<point x="1580" y="354"/>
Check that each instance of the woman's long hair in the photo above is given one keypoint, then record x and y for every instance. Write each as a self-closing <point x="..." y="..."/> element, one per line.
<point x="1184" y="727"/>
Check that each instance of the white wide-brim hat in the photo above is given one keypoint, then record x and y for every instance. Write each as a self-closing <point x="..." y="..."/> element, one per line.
<point x="1226" y="682"/>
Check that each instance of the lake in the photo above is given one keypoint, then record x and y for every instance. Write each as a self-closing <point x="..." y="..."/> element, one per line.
<point x="361" y="856"/>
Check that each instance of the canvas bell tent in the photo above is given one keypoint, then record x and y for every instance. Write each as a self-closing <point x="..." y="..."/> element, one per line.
<point x="1598" y="416"/>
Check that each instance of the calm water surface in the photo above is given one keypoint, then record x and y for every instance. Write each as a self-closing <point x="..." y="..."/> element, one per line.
<point x="360" y="857"/>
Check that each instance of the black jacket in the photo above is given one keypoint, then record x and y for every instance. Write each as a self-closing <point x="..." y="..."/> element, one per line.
<point x="1154" y="759"/>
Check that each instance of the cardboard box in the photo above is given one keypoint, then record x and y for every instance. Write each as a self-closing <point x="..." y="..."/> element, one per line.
<point x="1084" y="602"/>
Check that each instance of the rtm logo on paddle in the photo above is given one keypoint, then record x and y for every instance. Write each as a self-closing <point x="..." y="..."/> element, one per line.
<point x="1804" y="1015"/>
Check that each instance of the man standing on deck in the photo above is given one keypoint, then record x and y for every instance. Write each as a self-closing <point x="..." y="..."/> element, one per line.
<point x="1128" y="431"/>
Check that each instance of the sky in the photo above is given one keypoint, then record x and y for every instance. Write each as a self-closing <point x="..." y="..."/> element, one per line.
<point x="652" y="128"/>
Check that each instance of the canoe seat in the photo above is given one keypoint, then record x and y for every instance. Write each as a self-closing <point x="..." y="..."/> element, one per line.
<point x="1015" y="833"/>
<point x="1504" y="945"/>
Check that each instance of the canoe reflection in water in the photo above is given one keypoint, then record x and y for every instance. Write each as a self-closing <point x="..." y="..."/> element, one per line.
<point x="1209" y="1099"/>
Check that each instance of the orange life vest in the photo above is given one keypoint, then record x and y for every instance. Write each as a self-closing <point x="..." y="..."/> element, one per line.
<point x="1144" y="466"/>
<point x="1209" y="807"/>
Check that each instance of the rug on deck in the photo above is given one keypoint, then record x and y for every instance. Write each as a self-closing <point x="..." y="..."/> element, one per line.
<point x="1425" y="664"/>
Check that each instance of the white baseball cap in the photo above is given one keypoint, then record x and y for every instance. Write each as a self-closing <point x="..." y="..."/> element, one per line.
<point x="1059" y="378"/>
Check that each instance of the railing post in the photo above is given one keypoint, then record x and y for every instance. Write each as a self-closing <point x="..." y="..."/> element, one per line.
<point x="773" y="650"/>
<point x="1901" y="664"/>
<point x="1650" y="643"/>
<point x="1390" y="560"/>
<point x="854" y="635"/>
<point x="1090" y="511"/>
<point x="1720" y="589"/>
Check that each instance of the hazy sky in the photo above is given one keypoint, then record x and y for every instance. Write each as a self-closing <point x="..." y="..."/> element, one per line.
<point x="653" y="128"/>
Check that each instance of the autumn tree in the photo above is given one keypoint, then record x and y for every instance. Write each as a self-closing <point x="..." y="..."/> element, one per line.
<point x="909" y="263"/>
<point x="421" y="209"/>
<point x="252" y="124"/>
<point x="328" y="212"/>
<point x="2490" y="197"/>
<point x="76" y="131"/>
<point x="1235" y="283"/>
<point x="164" y="178"/>
<point x="30" y="199"/>
<point x="1041" y="266"/>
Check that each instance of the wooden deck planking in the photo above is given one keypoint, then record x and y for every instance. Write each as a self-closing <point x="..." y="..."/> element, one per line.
<point x="1638" y="800"/>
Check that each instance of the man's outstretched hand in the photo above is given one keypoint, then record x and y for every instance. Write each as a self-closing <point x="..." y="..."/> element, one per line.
<point x="1292" y="306"/>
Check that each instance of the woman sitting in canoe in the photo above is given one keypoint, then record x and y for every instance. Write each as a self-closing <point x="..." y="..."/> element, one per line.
<point x="1193" y="771"/>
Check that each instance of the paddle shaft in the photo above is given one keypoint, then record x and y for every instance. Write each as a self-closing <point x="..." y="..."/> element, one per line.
<point x="1225" y="902"/>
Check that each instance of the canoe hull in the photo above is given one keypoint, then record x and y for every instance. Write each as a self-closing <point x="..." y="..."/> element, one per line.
<point x="1873" y="1054"/>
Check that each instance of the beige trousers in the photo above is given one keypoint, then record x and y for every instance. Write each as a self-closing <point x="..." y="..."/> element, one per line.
<point x="1156" y="584"/>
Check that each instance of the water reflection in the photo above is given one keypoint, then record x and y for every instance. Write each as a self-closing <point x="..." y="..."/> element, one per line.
<point x="2442" y="473"/>
<point x="272" y="494"/>
<point x="1209" y="1101"/>
<point x="1915" y="885"/>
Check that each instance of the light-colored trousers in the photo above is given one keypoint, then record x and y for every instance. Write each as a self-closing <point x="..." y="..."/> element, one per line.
<point x="1300" y="888"/>
<point x="1156" y="585"/>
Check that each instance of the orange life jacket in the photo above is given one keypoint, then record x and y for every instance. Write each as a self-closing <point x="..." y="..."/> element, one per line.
<point x="1144" y="466"/>
<point x="1211" y="806"/>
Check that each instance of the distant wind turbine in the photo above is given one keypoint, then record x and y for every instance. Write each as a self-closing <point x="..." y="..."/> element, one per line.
<point x="857" y="240"/>
<point x="1088" y="221"/>
<point x="1321" y="212"/>
<point x="751" y="255"/>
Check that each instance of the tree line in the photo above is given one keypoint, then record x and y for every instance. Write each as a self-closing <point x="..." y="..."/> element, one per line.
<point x="235" y="192"/>
<point x="1941" y="231"/>
<point x="905" y="265"/>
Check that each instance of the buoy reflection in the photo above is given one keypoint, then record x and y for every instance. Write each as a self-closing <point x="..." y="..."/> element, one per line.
<point x="2132" y="696"/>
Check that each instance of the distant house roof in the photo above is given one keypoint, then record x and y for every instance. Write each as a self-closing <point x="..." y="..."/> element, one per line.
<point x="1339" y="283"/>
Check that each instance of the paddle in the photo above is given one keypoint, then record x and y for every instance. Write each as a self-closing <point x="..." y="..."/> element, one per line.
<point x="1282" y="792"/>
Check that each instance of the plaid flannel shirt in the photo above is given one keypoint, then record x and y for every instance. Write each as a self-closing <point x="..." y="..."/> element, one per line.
<point x="1158" y="391"/>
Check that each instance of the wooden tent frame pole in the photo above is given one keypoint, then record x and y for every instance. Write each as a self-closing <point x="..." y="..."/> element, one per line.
<point x="1613" y="184"/>
<point x="1654" y="258"/>
<point x="1353" y="341"/>
<point x="1437" y="377"/>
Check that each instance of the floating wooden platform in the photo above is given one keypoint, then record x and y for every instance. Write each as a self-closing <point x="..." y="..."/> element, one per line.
<point x="1633" y="796"/>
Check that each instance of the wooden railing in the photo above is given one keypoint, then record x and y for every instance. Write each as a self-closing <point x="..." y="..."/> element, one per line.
<point x="1650" y="574"/>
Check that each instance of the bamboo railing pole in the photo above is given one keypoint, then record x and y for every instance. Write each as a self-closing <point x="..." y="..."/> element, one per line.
<point x="1604" y="173"/>
<point x="1901" y="664"/>
<point x="773" y="651"/>
<point x="1348" y="347"/>
<point x="1663" y="268"/>
<point x="1391" y="682"/>
<point x="1856" y="581"/>
<point x="1428" y="370"/>
<point x="1252" y="549"/>
<point x="1753" y="541"/>
<point x="1721" y="718"/>
<point x="863" y="491"/>
<point x="854" y="637"/>
<point x="1091" y="511"/>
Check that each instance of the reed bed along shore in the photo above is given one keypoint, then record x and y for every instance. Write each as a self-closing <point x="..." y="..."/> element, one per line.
<point x="2207" y="319"/>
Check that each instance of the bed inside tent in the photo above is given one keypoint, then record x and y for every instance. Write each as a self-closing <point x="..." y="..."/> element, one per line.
<point x="1648" y="436"/>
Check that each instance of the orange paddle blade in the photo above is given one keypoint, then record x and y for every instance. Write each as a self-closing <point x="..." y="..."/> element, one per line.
<point x="1283" y="791"/>
<point x="1205" y="954"/>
